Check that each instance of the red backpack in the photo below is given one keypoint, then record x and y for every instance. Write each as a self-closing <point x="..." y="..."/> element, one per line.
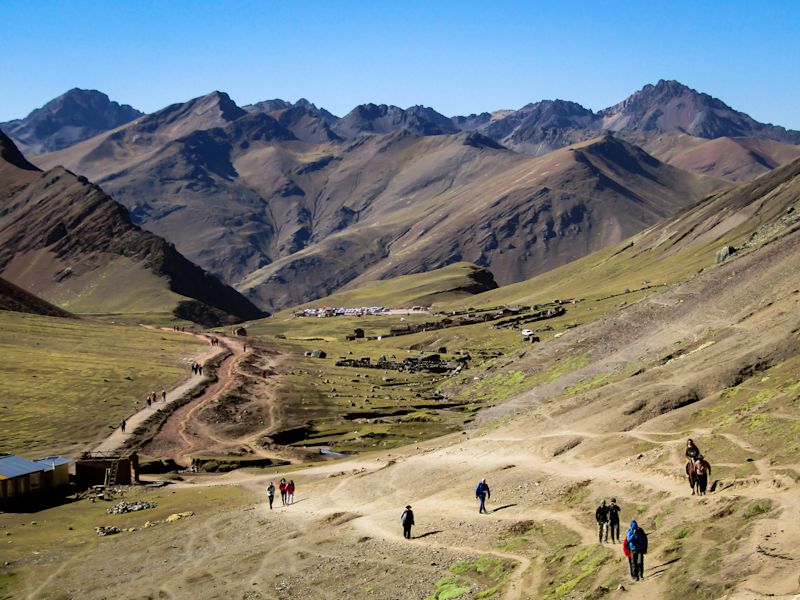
<point x="626" y="548"/>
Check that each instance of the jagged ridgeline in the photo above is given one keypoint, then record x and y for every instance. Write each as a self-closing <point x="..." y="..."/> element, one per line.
<point x="288" y="202"/>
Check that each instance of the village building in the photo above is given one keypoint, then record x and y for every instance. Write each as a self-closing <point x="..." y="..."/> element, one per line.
<point x="26" y="482"/>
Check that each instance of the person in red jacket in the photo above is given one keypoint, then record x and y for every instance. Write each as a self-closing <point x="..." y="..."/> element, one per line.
<point x="282" y="488"/>
<point x="290" y="492"/>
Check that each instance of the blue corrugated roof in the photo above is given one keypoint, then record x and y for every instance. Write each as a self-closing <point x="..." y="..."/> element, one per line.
<point x="14" y="466"/>
<point x="52" y="461"/>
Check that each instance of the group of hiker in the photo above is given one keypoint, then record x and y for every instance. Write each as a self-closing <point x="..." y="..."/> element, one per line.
<point x="634" y="542"/>
<point x="286" y="489"/>
<point x="607" y="517"/>
<point x="197" y="368"/>
<point x="698" y="469"/>
<point x="152" y="397"/>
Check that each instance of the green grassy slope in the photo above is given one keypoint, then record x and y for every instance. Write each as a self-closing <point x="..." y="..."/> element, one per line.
<point x="67" y="382"/>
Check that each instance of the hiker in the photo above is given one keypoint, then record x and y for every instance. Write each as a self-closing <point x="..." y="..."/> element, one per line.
<point x="601" y="516"/>
<point x="282" y="488"/>
<point x="692" y="451"/>
<point x="701" y="472"/>
<point x="163" y="395"/>
<point x="194" y="368"/>
<point x="626" y="550"/>
<point x="244" y="347"/>
<point x="407" y="519"/>
<point x="199" y="369"/>
<point x="482" y="492"/>
<point x="271" y="493"/>
<point x="122" y="424"/>
<point x="290" y="492"/>
<point x="149" y="400"/>
<point x="613" y="520"/>
<point x="637" y="542"/>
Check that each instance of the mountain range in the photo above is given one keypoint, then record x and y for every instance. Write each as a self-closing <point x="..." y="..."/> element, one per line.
<point x="287" y="202"/>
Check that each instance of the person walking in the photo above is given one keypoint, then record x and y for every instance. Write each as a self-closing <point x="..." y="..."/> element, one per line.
<point x="163" y="395"/>
<point x="149" y="400"/>
<point x="482" y="492"/>
<point x="282" y="487"/>
<point x="271" y="493"/>
<point x="407" y="520"/>
<point x="637" y="542"/>
<point x="122" y="424"/>
<point x="601" y="516"/>
<point x="290" y="492"/>
<point x="626" y="550"/>
<point x="702" y="469"/>
<point x="613" y="520"/>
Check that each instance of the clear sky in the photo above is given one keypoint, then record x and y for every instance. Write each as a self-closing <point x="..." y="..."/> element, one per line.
<point x="457" y="56"/>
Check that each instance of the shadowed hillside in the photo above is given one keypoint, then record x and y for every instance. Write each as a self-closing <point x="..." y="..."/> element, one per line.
<point x="68" y="242"/>
<point x="14" y="298"/>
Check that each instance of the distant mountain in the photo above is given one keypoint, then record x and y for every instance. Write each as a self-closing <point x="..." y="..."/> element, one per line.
<point x="670" y="105"/>
<point x="290" y="220"/>
<point x="65" y="240"/>
<point x="306" y="122"/>
<point x="288" y="203"/>
<point x="67" y="120"/>
<point x="380" y="118"/>
<point x="667" y="106"/>
<point x="517" y="220"/>
<point x="113" y="150"/>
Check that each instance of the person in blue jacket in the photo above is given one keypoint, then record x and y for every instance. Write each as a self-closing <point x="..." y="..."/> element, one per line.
<point x="482" y="492"/>
<point x="637" y="542"/>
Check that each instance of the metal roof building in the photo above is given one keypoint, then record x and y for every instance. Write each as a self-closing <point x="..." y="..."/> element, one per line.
<point x="16" y="466"/>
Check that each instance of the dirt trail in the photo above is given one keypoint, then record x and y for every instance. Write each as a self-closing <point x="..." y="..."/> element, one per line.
<point x="372" y="492"/>
<point x="185" y="433"/>
<point x="117" y="438"/>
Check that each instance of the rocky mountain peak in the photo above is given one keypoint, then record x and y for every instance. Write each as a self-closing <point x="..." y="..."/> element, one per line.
<point x="68" y="119"/>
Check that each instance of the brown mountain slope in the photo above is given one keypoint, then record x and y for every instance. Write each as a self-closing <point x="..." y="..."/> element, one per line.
<point x="736" y="221"/>
<point x="536" y="215"/>
<point x="734" y="159"/>
<point x="290" y="221"/>
<point x="15" y="170"/>
<point x="68" y="242"/>
<point x="14" y="298"/>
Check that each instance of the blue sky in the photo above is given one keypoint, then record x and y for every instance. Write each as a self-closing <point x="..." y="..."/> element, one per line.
<point x="456" y="56"/>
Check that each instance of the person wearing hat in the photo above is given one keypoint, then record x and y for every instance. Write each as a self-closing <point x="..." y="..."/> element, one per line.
<point x="407" y="519"/>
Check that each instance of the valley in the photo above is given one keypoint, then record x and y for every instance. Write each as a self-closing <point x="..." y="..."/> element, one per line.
<point x="554" y="299"/>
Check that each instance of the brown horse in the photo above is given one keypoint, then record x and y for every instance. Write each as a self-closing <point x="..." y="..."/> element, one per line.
<point x="691" y="476"/>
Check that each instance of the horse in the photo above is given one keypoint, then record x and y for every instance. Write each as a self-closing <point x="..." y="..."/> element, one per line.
<point x="691" y="476"/>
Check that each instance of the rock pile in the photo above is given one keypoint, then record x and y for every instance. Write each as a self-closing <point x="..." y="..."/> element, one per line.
<point x="106" y="530"/>
<point x="127" y="507"/>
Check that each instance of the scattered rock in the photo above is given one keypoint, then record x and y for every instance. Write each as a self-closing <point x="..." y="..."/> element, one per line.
<point x="127" y="507"/>
<point x="106" y="530"/>
<point x="179" y="516"/>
